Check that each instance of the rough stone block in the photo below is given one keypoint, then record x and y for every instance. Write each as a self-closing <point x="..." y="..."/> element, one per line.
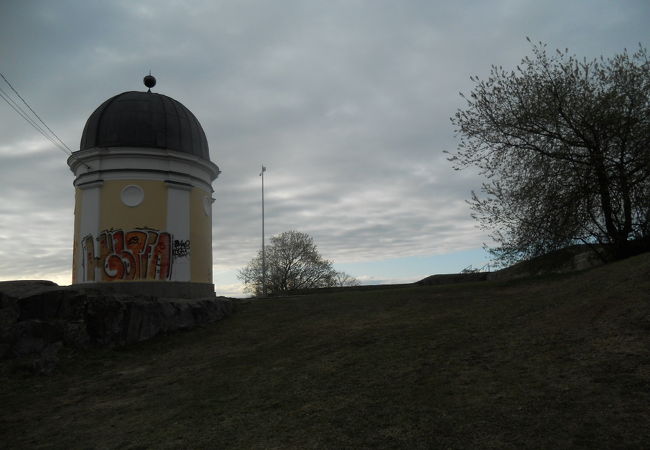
<point x="38" y="317"/>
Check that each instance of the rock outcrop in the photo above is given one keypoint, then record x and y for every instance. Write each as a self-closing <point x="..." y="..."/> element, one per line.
<point x="39" y="318"/>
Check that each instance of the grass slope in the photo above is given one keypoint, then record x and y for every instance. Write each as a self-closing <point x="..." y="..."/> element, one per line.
<point x="561" y="361"/>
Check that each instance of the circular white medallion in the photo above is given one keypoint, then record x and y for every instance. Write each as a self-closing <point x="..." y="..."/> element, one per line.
<point x="207" y="205"/>
<point x="132" y="195"/>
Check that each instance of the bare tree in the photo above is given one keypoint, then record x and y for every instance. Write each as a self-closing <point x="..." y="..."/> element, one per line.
<point x="292" y="262"/>
<point x="564" y="144"/>
<point x="342" y="279"/>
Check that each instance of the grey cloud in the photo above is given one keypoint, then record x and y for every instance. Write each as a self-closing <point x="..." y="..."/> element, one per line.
<point x="346" y="102"/>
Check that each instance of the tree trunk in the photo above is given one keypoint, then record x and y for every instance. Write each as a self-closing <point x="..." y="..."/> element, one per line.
<point x="613" y="233"/>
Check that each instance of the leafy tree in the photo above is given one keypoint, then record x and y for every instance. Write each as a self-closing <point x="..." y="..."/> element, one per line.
<point x="292" y="262"/>
<point x="564" y="145"/>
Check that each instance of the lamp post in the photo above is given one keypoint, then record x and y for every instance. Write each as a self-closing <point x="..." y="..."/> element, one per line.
<point x="263" y="249"/>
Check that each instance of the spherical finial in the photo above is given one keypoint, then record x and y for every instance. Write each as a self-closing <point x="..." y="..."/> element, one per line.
<point x="149" y="81"/>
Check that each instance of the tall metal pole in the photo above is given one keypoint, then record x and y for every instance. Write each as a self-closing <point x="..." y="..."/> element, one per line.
<point x="263" y="249"/>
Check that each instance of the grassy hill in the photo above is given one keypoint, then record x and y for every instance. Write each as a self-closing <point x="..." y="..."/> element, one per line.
<point x="560" y="361"/>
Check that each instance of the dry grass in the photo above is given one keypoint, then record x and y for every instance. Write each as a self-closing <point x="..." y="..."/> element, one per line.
<point x="546" y="363"/>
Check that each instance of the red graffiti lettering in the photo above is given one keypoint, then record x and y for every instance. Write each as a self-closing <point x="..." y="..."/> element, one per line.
<point x="88" y="262"/>
<point x="131" y="255"/>
<point x="160" y="261"/>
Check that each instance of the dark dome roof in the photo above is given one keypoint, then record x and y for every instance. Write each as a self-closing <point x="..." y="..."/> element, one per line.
<point x="145" y="119"/>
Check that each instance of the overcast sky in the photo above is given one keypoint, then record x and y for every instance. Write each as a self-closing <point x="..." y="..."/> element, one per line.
<point x="347" y="104"/>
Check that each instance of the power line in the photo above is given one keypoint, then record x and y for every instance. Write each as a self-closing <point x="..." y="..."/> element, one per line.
<point x="16" y="107"/>
<point x="56" y="140"/>
<point x="34" y="112"/>
<point x="29" y="120"/>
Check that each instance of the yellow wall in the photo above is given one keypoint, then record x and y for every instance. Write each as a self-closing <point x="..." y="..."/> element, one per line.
<point x="151" y="213"/>
<point x="200" y="238"/>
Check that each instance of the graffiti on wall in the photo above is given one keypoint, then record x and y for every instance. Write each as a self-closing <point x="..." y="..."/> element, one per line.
<point x="140" y="254"/>
<point x="181" y="248"/>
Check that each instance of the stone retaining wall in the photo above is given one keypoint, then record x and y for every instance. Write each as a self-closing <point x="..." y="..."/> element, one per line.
<point x="39" y="318"/>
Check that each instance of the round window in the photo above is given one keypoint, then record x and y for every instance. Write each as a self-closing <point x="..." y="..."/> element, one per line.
<point x="132" y="195"/>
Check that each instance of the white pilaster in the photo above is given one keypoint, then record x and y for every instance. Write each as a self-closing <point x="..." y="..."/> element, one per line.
<point x="88" y="225"/>
<point x="178" y="224"/>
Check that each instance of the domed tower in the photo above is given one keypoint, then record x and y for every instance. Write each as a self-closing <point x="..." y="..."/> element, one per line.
<point x="143" y="203"/>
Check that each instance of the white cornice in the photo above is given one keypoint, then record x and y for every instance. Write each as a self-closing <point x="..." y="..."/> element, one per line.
<point x="142" y="163"/>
